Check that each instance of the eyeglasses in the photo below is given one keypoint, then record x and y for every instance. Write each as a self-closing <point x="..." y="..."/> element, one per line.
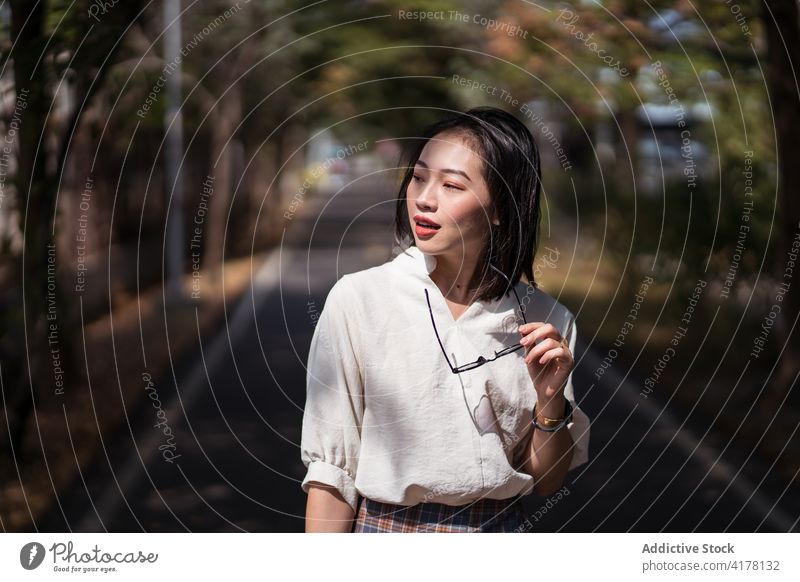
<point x="481" y="360"/>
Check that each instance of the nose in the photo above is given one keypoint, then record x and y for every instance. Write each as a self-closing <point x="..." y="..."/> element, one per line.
<point x="426" y="197"/>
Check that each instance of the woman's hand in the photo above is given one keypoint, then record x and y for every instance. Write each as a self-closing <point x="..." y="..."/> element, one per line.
<point x="548" y="358"/>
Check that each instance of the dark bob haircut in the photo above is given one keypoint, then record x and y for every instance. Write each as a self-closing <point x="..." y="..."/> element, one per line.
<point x="511" y="170"/>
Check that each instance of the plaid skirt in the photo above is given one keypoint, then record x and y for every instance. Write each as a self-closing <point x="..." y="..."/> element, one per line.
<point x="485" y="515"/>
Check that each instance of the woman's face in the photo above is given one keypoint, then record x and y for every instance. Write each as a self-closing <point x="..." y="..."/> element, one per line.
<point x="448" y="189"/>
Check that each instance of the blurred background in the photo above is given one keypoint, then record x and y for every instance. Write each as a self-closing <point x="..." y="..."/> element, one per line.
<point x="181" y="183"/>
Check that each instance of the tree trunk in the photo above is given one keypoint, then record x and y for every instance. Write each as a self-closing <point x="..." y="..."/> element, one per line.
<point x="27" y="23"/>
<point x="222" y="152"/>
<point x="782" y="30"/>
<point x="627" y="155"/>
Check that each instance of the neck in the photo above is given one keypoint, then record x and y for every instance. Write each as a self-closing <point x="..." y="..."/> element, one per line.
<point x="454" y="276"/>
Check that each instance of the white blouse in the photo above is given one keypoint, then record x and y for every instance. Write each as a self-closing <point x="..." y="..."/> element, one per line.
<point x="386" y="418"/>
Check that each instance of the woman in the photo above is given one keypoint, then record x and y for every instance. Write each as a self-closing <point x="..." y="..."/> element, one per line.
<point x="423" y="372"/>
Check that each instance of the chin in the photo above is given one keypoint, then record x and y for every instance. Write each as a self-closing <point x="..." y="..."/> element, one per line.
<point x="427" y="245"/>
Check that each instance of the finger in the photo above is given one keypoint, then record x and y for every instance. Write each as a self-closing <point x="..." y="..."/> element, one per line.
<point x="540" y="349"/>
<point x="546" y="330"/>
<point x="526" y="328"/>
<point x="555" y="354"/>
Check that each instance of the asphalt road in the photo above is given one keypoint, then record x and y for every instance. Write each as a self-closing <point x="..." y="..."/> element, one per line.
<point x="236" y="415"/>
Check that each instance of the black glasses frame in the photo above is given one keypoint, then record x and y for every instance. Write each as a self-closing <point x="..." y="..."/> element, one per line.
<point x="481" y="360"/>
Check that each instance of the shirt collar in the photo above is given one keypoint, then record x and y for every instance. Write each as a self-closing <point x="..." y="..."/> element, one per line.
<point x="421" y="262"/>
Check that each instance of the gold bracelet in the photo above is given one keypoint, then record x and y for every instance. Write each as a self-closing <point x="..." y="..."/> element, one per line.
<point x="548" y="422"/>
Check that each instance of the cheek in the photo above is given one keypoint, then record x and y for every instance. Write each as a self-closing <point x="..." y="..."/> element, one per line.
<point x="470" y="216"/>
<point x="410" y="204"/>
<point x="411" y="194"/>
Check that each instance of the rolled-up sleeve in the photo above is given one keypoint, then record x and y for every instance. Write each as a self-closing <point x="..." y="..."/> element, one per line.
<point x="332" y="418"/>
<point x="579" y="427"/>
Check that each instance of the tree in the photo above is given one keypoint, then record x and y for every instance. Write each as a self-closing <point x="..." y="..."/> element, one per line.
<point x="782" y="27"/>
<point x="55" y="47"/>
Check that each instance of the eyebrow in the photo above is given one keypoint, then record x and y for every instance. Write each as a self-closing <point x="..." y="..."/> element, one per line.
<point x="446" y="170"/>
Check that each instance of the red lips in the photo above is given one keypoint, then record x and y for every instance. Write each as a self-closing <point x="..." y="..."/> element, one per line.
<point x="423" y="221"/>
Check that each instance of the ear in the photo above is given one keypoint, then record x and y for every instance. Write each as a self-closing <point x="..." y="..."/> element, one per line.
<point x="494" y="221"/>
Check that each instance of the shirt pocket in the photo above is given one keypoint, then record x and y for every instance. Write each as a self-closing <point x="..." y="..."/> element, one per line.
<point x="512" y="397"/>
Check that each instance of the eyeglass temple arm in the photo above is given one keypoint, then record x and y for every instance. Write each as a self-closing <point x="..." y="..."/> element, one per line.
<point x="430" y="310"/>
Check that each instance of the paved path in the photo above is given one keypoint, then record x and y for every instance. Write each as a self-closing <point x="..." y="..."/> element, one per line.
<point x="237" y="417"/>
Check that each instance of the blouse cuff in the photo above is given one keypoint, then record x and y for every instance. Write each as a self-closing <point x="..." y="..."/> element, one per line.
<point x="329" y="474"/>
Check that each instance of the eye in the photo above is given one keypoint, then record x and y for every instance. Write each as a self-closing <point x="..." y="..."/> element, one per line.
<point x="452" y="186"/>
<point x="416" y="178"/>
